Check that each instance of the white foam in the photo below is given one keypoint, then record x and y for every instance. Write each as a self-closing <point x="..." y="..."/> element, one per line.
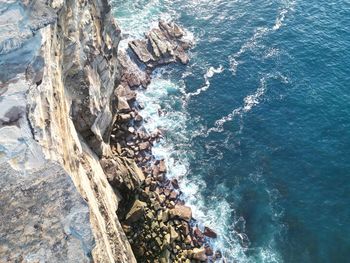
<point x="208" y="75"/>
<point x="260" y="33"/>
<point x="250" y="44"/>
<point x="249" y="102"/>
<point x="176" y="148"/>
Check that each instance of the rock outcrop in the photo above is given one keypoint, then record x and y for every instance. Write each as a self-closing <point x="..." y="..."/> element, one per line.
<point x="163" y="45"/>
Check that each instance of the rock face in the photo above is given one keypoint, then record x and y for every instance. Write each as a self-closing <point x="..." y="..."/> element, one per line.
<point x="43" y="218"/>
<point x="22" y="20"/>
<point x="58" y="73"/>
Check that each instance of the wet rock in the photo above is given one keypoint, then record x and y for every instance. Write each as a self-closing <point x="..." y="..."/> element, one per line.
<point x="208" y="251"/>
<point x="138" y="118"/>
<point x="198" y="234"/>
<point x="175" y="183"/>
<point x="218" y="254"/>
<point x="182" y="212"/>
<point x="162" y="166"/>
<point x="209" y="232"/>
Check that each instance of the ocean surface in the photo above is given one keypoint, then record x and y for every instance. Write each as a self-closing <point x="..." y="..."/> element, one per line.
<point x="258" y="124"/>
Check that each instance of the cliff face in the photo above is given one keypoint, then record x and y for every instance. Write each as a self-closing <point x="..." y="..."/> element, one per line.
<point x="58" y="73"/>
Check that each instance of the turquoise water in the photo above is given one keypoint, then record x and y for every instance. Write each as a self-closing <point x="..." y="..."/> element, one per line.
<point x="258" y="124"/>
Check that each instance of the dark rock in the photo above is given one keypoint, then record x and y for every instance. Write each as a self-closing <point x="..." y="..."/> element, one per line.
<point x="209" y="232"/>
<point x="208" y="251"/>
<point x="218" y="254"/>
<point x="198" y="233"/>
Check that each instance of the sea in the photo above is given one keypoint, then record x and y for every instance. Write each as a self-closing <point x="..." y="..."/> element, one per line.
<point x="257" y="125"/>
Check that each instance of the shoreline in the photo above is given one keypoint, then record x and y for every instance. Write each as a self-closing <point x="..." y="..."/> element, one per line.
<point x="156" y="220"/>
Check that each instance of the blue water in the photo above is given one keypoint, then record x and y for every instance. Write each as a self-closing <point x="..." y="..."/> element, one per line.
<point x="258" y="124"/>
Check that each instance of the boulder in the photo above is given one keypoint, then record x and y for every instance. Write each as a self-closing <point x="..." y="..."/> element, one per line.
<point x="163" y="45"/>
<point x="172" y="29"/>
<point x="175" y="183"/>
<point x="198" y="233"/>
<point x="173" y="234"/>
<point x="144" y="146"/>
<point x="123" y="105"/>
<point x="182" y="212"/>
<point x="141" y="51"/>
<point x="199" y="254"/>
<point x="123" y="91"/>
<point x="162" y="166"/>
<point x="173" y="195"/>
<point x="209" y="251"/>
<point x="209" y="232"/>
<point x="136" y="212"/>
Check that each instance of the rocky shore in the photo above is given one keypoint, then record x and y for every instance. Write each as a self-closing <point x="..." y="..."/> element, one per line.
<point x="79" y="181"/>
<point x="158" y="224"/>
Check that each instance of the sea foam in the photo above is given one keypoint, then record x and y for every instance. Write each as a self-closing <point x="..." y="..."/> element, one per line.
<point x="207" y="76"/>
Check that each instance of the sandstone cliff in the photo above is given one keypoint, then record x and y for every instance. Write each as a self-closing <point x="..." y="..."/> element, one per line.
<point x="58" y="71"/>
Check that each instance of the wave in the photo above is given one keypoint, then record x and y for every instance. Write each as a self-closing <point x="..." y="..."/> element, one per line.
<point x="249" y="102"/>
<point x="208" y="75"/>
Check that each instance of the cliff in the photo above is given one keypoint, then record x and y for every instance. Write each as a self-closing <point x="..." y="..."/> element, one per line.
<point x="78" y="178"/>
<point x="58" y="71"/>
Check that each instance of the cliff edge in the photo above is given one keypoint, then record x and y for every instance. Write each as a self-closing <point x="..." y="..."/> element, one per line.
<point x="58" y="71"/>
